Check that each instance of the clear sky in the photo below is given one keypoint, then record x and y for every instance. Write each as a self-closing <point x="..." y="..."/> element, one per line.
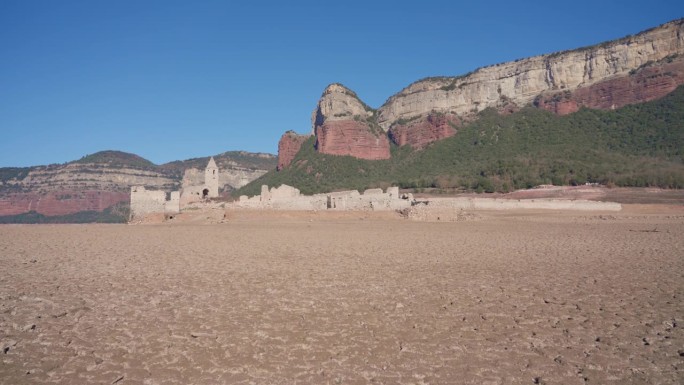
<point x="171" y="80"/>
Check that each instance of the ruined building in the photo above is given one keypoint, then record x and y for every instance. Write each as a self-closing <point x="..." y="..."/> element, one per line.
<point x="145" y="202"/>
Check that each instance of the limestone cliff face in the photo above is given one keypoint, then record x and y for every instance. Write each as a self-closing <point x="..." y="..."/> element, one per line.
<point x="229" y="178"/>
<point x="630" y="70"/>
<point x="288" y="146"/>
<point x="518" y="83"/>
<point x="634" y="69"/>
<point x="642" y="85"/>
<point x="344" y="125"/>
<point x="88" y="176"/>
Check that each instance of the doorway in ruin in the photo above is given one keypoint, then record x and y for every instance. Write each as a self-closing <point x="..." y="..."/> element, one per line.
<point x="205" y="193"/>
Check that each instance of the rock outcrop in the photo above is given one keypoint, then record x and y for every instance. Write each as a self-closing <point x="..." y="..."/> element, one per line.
<point x="288" y="146"/>
<point x="348" y="137"/>
<point x="634" y="69"/>
<point x="424" y="131"/>
<point x="61" y="202"/>
<point x="520" y="82"/>
<point x="650" y="82"/>
<point x="344" y="125"/>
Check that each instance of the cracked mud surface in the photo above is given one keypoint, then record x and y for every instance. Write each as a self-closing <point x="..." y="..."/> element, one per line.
<point x="506" y="299"/>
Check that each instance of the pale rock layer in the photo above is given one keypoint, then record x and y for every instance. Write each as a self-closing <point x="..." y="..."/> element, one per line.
<point x="521" y="81"/>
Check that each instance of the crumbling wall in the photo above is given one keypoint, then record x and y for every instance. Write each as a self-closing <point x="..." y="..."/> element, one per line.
<point x="190" y="195"/>
<point x="512" y="204"/>
<point x="145" y="202"/>
<point x="172" y="206"/>
<point x="284" y="192"/>
<point x="287" y="197"/>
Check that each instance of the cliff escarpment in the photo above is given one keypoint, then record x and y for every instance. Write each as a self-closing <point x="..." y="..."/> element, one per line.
<point x="288" y="146"/>
<point x="631" y="70"/>
<point x="638" y="145"/>
<point x="344" y="125"/>
<point x="581" y="70"/>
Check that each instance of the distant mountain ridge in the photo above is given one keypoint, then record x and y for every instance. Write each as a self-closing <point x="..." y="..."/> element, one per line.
<point x="97" y="186"/>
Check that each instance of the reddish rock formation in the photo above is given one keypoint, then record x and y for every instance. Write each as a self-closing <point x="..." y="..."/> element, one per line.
<point x="420" y="133"/>
<point x="60" y="202"/>
<point x="344" y="125"/>
<point x="643" y="85"/>
<point x="288" y="146"/>
<point x="353" y="138"/>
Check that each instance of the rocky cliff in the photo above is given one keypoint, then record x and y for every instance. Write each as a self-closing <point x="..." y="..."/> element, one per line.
<point x="523" y="80"/>
<point x="288" y="146"/>
<point x="630" y="70"/>
<point x="99" y="181"/>
<point x="634" y="69"/>
<point x="344" y="125"/>
<point x="422" y="131"/>
<point x="648" y="82"/>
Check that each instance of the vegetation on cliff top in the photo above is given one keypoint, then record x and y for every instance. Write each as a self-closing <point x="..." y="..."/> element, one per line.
<point x="232" y="159"/>
<point x="117" y="158"/>
<point x="638" y="145"/>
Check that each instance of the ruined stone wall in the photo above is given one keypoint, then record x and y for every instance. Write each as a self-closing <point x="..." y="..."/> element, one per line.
<point x="511" y="204"/>
<point x="145" y="202"/>
<point x="191" y="194"/>
<point x="173" y="204"/>
<point x="288" y="198"/>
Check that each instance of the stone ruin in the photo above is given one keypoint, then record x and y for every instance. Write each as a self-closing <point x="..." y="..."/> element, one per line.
<point x="146" y="202"/>
<point x="289" y="198"/>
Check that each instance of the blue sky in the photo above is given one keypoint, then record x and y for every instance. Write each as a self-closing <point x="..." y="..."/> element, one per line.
<point x="171" y="80"/>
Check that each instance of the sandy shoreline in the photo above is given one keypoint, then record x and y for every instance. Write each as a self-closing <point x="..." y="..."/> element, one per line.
<point x="505" y="298"/>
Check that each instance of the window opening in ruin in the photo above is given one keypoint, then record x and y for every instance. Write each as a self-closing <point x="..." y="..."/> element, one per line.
<point x="205" y="193"/>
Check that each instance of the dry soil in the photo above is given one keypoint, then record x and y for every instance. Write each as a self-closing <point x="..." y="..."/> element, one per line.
<point x="501" y="298"/>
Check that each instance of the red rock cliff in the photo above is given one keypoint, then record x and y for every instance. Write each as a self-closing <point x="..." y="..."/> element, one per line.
<point x="288" y="146"/>
<point x="344" y="125"/>
<point x="348" y="137"/>
<point x="60" y="202"/>
<point x="420" y="133"/>
<point x="642" y="85"/>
